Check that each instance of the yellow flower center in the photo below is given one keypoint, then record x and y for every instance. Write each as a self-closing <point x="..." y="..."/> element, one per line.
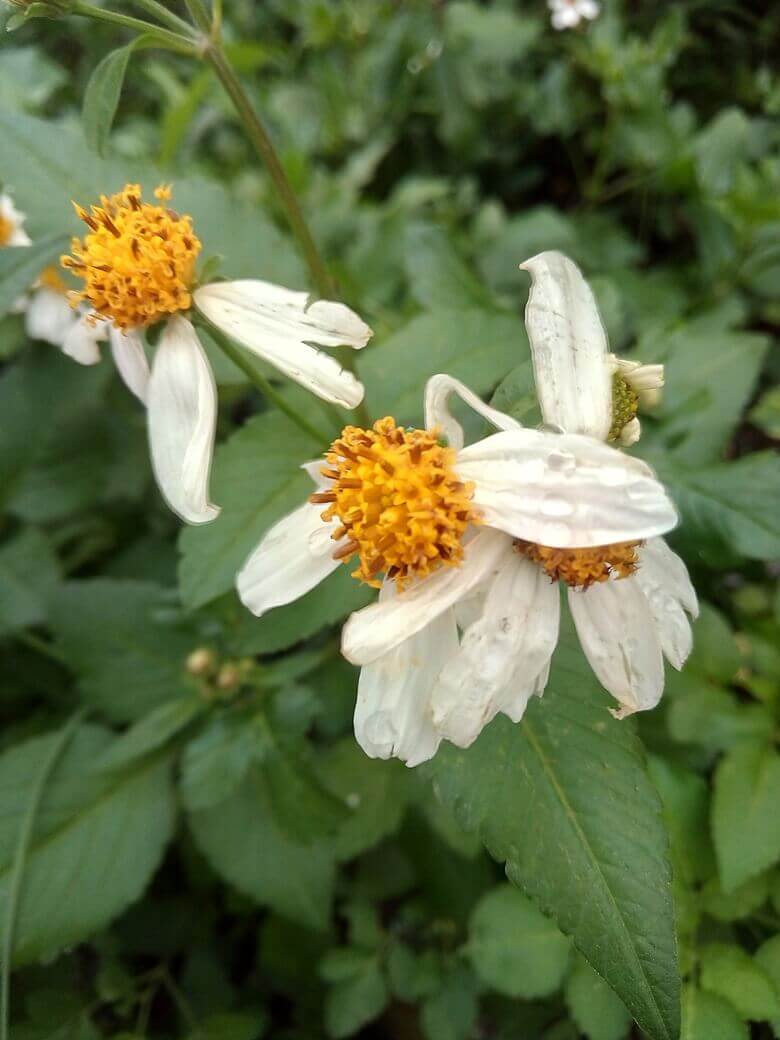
<point x="625" y="402"/>
<point x="402" y="508"/>
<point x="137" y="261"/>
<point x="6" y="230"/>
<point x="581" y="568"/>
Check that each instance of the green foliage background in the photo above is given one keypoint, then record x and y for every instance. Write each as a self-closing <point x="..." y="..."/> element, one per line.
<point x="225" y="863"/>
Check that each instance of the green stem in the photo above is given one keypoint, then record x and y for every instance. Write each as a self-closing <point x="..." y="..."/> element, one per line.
<point x="161" y="12"/>
<point x="200" y="16"/>
<point x="239" y="358"/>
<point x="59" y="744"/>
<point x="164" y="37"/>
<point x="40" y="646"/>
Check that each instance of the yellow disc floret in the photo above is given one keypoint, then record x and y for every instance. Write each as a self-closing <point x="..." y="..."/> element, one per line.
<point x="625" y="402"/>
<point x="402" y="509"/>
<point x="581" y="568"/>
<point x="137" y="260"/>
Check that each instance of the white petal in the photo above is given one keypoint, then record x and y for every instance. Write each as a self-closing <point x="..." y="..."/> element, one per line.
<point x="15" y="219"/>
<point x="568" y="347"/>
<point x="564" y="490"/>
<point x="639" y="375"/>
<point x="516" y="633"/>
<point x="82" y="338"/>
<point x="182" y="419"/>
<point x="48" y="317"/>
<point x="392" y="712"/>
<point x="372" y="631"/>
<point x="589" y="8"/>
<point x="520" y="689"/>
<point x="275" y="324"/>
<point x="129" y="356"/>
<point x="438" y="415"/>
<point x="671" y="572"/>
<point x="664" y="580"/>
<point x="630" y="433"/>
<point x="314" y="470"/>
<point x="295" y="555"/>
<point x="619" y="638"/>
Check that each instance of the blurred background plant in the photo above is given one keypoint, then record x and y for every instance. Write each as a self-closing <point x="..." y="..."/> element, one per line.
<point x="213" y="857"/>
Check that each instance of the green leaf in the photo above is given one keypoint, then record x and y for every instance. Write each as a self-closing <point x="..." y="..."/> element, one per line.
<point x="257" y="480"/>
<point x="123" y="821"/>
<point x="438" y="278"/>
<point x="303" y="808"/>
<point x="714" y="718"/>
<point x="599" y="1014"/>
<point x="150" y="733"/>
<point x="686" y="803"/>
<point x="768" y="957"/>
<point x="28" y="78"/>
<point x="745" y="821"/>
<point x="232" y="1025"/>
<point x="215" y="762"/>
<point x="564" y="798"/>
<point x="737" y="904"/>
<point x="101" y="96"/>
<point x="715" y="652"/>
<point x="514" y="948"/>
<point x="29" y="570"/>
<point x="734" y="975"/>
<point x="21" y="266"/>
<point x="539" y="228"/>
<point x="476" y="346"/>
<point x="766" y="413"/>
<point x="242" y="840"/>
<point x="451" y="1014"/>
<point x="357" y="998"/>
<point x="122" y="641"/>
<point x="707" y="1016"/>
<point x="720" y="149"/>
<point x="516" y="395"/>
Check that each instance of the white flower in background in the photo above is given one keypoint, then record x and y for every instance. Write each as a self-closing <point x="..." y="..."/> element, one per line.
<point x="12" y="231"/>
<point x="429" y="525"/>
<point x="567" y="14"/>
<point x="137" y="262"/>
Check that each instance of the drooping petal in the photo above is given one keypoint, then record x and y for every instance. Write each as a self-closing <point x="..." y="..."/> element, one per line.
<point x="376" y="629"/>
<point x="438" y="415"/>
<point x="82" y="338"/>
<point x="617" y="634"/>
<point x="664" y="580"/>
<point x="515" y="636"/>
<point x="630" y="433"/>
<point x="182" y="418"/>
<point x="564" y="490"/>
<point x="295" y="555"/>
<point x="48" y="316"/>
<point x="276" y="324"/>
<point x="519" y="691"/>
<point x="568" y="347"/>
<point x="129" y="356"/>
<point x="392" y="712"/>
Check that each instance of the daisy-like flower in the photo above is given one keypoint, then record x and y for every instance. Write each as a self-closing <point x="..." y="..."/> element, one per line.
<point x="567" y="14"/>
<point x="430" y="524"/>
<point x="137" y="262"/>
<point x="628" y="596"/>
<point x="12" y="231"/>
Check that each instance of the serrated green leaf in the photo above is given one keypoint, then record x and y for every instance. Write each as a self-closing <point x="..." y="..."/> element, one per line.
<point x="124" y="820"/>
<point x="451" y="1014"/>
<point x="21" y="266"/>
<point x="438" y="278"/>
<point x="514" y="948"/>
<point x="599" y="1014"/>
<point x="356" y="1000"/>
<point x="707" y="1016"/>
<point x="564" y="799"/>
<point x="217" y="759"/>
<point x="29" y="570"/>
<point x="150" y="733"/>
<point x="733" y="974"/>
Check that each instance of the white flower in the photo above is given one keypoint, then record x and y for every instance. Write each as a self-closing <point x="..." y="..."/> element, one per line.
<point x="440" y="525"/>
<point x="567" y="14"/>
<point x="12" y="231"/>
<point x="137" y="262"/>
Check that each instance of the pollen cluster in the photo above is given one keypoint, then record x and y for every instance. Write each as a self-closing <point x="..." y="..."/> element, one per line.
<point x="581" y="568"/>
<point x="137" y="260"/>
<point x="402" y="508"/>
<point x="625" y="402"/>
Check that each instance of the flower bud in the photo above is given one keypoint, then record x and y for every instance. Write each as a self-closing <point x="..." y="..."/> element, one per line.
<point x="201" y="661"/>
<point x="229" y="677"/>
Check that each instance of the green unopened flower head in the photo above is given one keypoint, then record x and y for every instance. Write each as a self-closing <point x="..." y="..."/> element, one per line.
<point x="26" y="9"/>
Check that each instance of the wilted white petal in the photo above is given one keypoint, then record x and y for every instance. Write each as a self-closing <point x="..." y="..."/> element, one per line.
<point x="48" y="316"/>
<point x="182" y="419"/>
<point x="630" y="433"/>
<point x="664" y="580"/>
<point x="638" y="374"/>
<point x="294" y="556"/>
<point x="82" y="338"/>
<point x="671" y="571"/>
<point x="392" y="712"/>
<point x="564" y="490"/>
<point x="516" y="633"/>
<point x="568" y="347"/>
<point x="276" y="324"/>
<point x="619" y="638"/>
<point x="378" y="628"/>
<point x="513" y="700"/>
<point x="438" y="415"/>
<point x="129" y="356"/>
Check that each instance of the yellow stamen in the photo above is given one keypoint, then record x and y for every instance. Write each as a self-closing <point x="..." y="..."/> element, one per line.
<point x="625" y="402"/>
<point x="6" y="230"/>
<point x="581" y="568"/>
<point x="50" y="278"/>
<point x="402" y="508"/>
<point x="137" y="260"/>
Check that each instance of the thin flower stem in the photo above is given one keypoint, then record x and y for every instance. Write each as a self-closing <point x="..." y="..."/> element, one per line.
<point x="161" y="12"/>
<point x="59" y="744"/>
<point x="166" y="38"/>
<point x="257" y="378"/>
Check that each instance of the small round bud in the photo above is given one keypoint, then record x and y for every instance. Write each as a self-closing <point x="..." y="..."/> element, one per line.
<point x="201" y="661"/>
<point x="229" y="677"/>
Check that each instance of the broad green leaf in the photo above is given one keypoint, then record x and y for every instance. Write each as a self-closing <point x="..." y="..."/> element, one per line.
<point x="737" y="977"/>
<point x="707" y="1016"/>
<point x="451" y="1014"/>
<point x="686" y="802"/>
<point x="477" y="346"/>
<point x="599" y="1014"/>
<point x="28" y="77"/>
<point x="98" y="839"/>
<point x="516" y="395"/>
<point x="745" y="821"/>
<point x="514" y="948"/>
<point x="232" y="1025"/>
<point x="303" y="807"/>
<point x="438" y="278"/>
<point x="21" y="266"/>
<point x="719" y="150"/>
<point x="257" y="480"/>
<point x="715" y="652"/>
<point x="357" y="998"/>
<point x="711" y="716"/>
<point x="29" y="570"/>
<point x="101" y="96"/>
<point x="564" y="799"/>
<point x="737" y="904"/>
<point x="521" y="238"/>
<point x="150" y="733"/>
<point x="125" y="644"/>
<point x="768" y="957"/>
<point x="242" y="840"/>
<point x="217" y="759"/>
<point x="766" y="413"/>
